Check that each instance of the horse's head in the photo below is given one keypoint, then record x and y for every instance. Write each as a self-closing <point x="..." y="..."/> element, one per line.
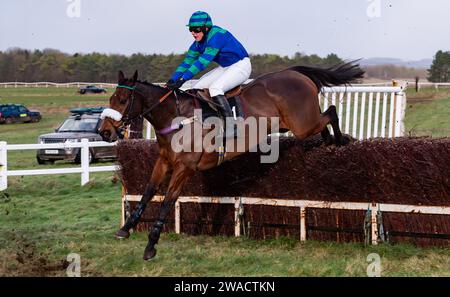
<point x="123" y="107"/>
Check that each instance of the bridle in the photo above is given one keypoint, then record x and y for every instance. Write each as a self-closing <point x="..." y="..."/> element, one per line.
<point x="126" y="119"/>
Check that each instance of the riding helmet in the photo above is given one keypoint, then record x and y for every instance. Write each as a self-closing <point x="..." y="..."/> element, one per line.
<point x="200" y="19"/>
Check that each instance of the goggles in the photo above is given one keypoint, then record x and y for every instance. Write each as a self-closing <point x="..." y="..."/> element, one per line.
<point x="195" y="29"/>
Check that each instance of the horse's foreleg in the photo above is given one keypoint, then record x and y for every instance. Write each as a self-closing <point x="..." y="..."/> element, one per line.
<point x="159" y="172"/>
<point x="179" y="177"/>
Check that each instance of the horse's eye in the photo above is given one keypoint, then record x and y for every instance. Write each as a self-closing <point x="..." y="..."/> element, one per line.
<point x="123" y="101"/>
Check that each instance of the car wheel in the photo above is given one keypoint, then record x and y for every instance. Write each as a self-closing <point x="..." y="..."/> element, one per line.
<point x="42" y="162"/>
<point x="82" y="91"/>
<point x="9" y="120"/>
<point x="91" y="158"/>
<point x="78" y="158"/>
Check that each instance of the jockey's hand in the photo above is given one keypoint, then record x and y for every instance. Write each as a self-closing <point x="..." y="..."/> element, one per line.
<point x="169" y="83"/>
<point x="174" y="85"/>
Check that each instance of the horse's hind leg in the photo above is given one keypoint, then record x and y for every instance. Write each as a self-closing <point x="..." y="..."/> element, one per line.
<point x="328" y="117"/>
<point x="326" y="136"/>
<point x="331" y="115"/>
<point x="159" y="172"/>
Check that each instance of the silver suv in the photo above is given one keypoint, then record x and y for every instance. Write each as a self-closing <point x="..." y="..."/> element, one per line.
<point x="82" y="123"/>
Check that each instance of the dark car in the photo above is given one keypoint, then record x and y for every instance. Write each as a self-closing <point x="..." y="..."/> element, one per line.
<point x="17" y="113"/>
<point x="82" y="123"/>
<point x="91" y="89"/>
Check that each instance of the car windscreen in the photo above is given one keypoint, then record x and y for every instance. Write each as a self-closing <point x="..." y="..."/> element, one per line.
<point x="81" y="125"/>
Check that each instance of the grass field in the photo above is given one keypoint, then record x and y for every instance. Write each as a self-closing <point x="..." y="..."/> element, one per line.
<point x="428" y="113"/>
<point x="44" y="218"/>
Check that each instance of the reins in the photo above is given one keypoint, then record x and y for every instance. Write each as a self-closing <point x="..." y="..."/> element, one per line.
<point x="128" y="109"/>
<point x="165" y="96"/>
<point x="128" y="119"/>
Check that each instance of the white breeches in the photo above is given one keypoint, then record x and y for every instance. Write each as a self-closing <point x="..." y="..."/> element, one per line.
<point x="223" y="79"/>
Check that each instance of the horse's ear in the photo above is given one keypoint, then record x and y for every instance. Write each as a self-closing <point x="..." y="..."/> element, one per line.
<point x="135" y="76"/>
<point x="121" y="76"/>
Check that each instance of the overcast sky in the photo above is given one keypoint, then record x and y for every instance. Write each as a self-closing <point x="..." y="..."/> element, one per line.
<point x="407" y="29"/>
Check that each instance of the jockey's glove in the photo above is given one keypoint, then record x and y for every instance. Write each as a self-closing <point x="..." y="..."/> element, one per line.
<point x="174" y="85"/>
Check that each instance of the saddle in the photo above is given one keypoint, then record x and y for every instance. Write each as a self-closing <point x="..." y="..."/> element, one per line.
<point x="209" y="107"/>
<point x="204" y="93"/>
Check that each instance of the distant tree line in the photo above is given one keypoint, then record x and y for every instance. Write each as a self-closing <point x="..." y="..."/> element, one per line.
<point x="52" y="65"/>
<point x="388" y="72"/>
<point x="440" y="68"/>
<point x="55" y="66"/>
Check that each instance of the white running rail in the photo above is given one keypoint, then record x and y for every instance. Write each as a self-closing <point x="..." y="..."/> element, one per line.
<point x="84" y="169"/>
<point x="366" y="112"/>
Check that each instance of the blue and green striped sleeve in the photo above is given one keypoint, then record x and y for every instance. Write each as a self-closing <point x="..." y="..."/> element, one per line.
<point x="191" y="56"/>
<point x="201" y="63"/>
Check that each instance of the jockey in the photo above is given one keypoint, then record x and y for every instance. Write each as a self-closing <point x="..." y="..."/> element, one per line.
<point x="213" y="43"/>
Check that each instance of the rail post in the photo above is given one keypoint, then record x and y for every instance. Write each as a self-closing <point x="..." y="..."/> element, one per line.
<point x="84" y="161"/>
<point x="374" y="230"/>
<point x="237" y="216"/>
<point x="3" y="166"/>
<point x="177" y="217"/>
<point x="302" y="224"/>
<point x="148" y="130"/>
<point x="400" y="114"/>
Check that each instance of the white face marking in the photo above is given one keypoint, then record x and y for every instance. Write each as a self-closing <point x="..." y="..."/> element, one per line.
<point x="111" y="113"/>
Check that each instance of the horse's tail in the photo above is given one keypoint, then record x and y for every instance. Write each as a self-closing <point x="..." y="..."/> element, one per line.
<point x="333" y="76"/>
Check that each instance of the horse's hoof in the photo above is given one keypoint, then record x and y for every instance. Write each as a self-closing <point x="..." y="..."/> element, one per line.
<point x="122" y="234"/>
<point x="149" y="254"/>
<point x="330" y="141"/>
<point x="347" y="139"/>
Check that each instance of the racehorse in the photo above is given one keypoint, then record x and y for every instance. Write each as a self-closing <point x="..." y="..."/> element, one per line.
<point x="290" y="94"/>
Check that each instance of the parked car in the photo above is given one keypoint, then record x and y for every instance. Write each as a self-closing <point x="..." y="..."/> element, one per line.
<point x="91" y="89"/>
<point x="17" y="113"/>
<point x="82" y="123"/>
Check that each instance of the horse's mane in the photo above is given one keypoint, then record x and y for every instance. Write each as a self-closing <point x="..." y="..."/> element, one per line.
<point x="149" y="84"/>
<point x="146" y="83"/>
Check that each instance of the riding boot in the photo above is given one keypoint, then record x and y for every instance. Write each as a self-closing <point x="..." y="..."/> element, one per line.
<point x="225" y="111"/>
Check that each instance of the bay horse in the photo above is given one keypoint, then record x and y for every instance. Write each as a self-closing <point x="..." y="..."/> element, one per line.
<point x="290" y="94"/>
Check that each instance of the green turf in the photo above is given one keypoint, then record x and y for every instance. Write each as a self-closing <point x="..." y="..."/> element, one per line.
<point x="428" y="118"/>
<point x="44" y="218"/>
